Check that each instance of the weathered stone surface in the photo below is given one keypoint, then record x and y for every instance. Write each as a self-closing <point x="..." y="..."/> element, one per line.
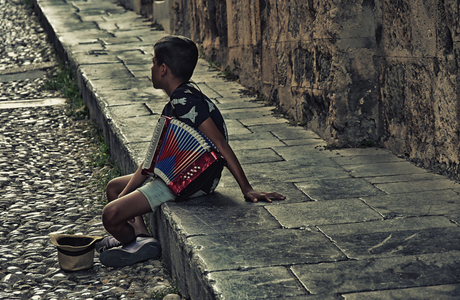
<point x="210" y="220"/>
<point x="340" y="188"/>
<point x="417" y="186"/>
<point x="366" y="159"/>
<point x="361" y="71"/>
<point x="379" y="274"/>
<point x="382" y="169"/>
<point x="394" y="237"/>
<point x="252" y="156"/>
<point x="448" y="291"/>
<point x="229" y="188"/>
<point x="404" y="178"/>
<point x="438" y="202"/>
<point x="322" y="212"/>
<point x="239" y="251"/>
<point x="308" y="154"/>
<point x="295" y="171"/>
<point x="265" y="283"/>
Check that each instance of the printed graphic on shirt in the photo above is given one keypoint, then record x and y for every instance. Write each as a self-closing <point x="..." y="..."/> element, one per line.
<point x="181" y="101"/>
<point x="190" y="115"/>
<point x="211" y="106"/>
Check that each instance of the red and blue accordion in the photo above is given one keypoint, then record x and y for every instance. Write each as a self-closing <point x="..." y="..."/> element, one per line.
<point x="183" y="157"/>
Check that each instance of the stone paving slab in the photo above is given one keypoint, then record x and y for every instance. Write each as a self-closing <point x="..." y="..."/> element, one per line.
<point x="383" y="169"/>
<point x="262" y="121"/>
<point x="255" y="143"/>
<point x="235" y="128"/>
<point x="296" y="171"/>
<point x="356" y="222"/>
<point x="367" y="159"/>
<point x="244" y="113"/>
<point x="297" y="215"/>
<point x="317" y="143"/>
<point x="253" y="156"/>
<point x="134" y="95"/>
<point x="398" y="237"/>
<point x="403" y="178"/>
<point x="221" y="219"/>
<point x="136" y="109"/>
<point x="135" y="127"/>
<point x="438" y="202"/>
<point x="229" y="186"/>
<point x="233" y="251"/>
<point x="264" y="283"/>
<point x="308" y="154"/>
<point x="448" y="291"/>
<point x="208" y="91"/>
<point x="238" y="104"/>
<point x="339" y="188"/>
<point x="417" y="186"/>
<point x="380" y="274"/>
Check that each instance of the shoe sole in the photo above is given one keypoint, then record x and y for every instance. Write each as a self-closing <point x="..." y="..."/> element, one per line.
<point x="133" y="253"/>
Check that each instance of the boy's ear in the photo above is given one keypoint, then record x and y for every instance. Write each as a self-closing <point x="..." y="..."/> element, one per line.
<point x="164" y="69"/>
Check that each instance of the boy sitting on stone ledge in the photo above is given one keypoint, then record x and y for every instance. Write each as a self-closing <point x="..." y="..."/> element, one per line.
<point x="133" y="195"/>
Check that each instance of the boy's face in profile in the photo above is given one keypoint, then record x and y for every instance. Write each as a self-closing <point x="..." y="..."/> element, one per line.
<point x="155" y="71"/>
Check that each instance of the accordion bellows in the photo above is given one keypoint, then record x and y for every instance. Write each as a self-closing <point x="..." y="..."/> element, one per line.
<point x="178" y="154"/>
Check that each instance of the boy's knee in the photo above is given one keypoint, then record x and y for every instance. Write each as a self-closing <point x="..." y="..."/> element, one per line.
<point x="112" y="190"/>
<point x="110" y="216"/>
<point x="111" y="185"/>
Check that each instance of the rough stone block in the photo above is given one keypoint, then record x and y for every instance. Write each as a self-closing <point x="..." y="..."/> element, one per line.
<point x="382" y="169"/>
<point x="379" y="274"/>
<point x="366" y="159"/>
<point x="242" y="250"/>
<point x="254" y="156"/>
<point x="228" y="187"/>
<point x="260" y="283"/>
<point x="210" y="220"/>
<point x="340" y="188"/>
<point x="417" y="186"/>
<point x="294" y="171"/>
<point x="161" y="14"/>
<point x="398" y="237"/>
<point x="310" y="154"/>
<point x="256" y="142"/>
<point x="447" y="291"/>
<point x="323" y="212"/>
<point x="438" y="202"/>
<point x="262" y="121"/>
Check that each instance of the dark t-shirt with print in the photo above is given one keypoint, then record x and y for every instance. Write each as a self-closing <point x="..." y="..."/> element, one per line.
<point x="192" y="107"/>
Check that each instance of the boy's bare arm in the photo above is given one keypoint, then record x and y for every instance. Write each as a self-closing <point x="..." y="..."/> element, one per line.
<point x="210" y="130"/>
<point x="136" y="181"/>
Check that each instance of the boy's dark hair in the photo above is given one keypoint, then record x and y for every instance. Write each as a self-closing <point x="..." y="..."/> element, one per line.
<point x="179" y="53"/>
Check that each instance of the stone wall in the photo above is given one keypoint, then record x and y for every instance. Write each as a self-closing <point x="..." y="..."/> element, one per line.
<point x="419" y="88"/>
<point x="381" y="71"/>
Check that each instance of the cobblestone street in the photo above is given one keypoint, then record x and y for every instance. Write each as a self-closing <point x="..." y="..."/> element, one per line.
<point x="47" y="184"/>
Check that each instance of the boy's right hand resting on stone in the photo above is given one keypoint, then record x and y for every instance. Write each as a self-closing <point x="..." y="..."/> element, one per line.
<point x="209" y="129"/>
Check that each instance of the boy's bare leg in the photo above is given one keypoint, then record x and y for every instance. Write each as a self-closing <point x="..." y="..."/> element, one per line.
<point x="114" y="188"/>
<point x="117" y="213"/>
